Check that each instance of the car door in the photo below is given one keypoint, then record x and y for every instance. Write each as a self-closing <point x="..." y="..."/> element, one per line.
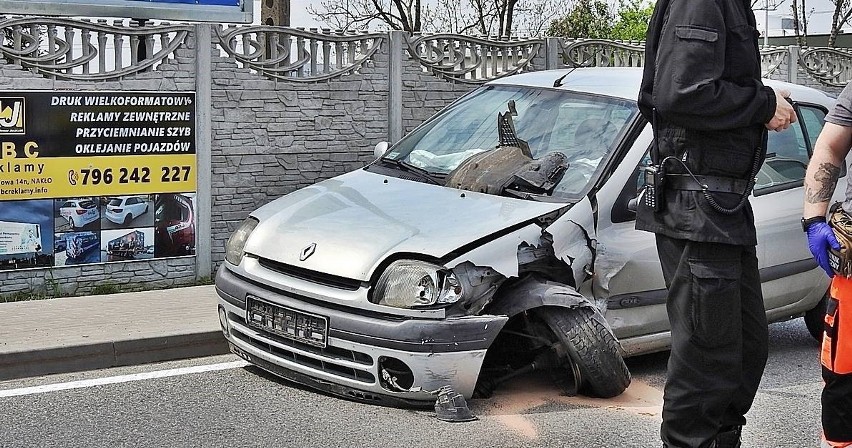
<point x="787" y="269"/>
<point x="132" y="205"/>
<point x="627" y="267"/>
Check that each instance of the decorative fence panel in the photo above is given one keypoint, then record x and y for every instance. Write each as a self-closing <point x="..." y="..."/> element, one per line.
<point x="473" y="60"/>
<point x="88" y="51"/>
<point x="298" y="55"/>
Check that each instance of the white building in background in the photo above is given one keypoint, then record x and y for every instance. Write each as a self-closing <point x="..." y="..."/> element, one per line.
<point x="778" y="20"/>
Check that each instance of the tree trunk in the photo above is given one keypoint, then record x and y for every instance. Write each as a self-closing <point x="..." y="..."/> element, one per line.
<point x="835" y="24"/>
<point x="417" y="24"/>
<point x="510" y="13"/>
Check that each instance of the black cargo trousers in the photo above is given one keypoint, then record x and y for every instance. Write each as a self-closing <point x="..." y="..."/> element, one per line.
<point x="719" y="338"/>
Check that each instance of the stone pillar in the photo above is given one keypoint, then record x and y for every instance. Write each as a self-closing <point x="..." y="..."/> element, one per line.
<point x="793" y="64"/>
<point x="275" y="12"/>
<point x="396" y="55"/>
<point x="552" y="53"/>
<point x="203" y="148"/>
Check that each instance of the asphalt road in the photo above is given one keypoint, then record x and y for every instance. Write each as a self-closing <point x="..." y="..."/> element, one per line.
<point x="218" y="402"/>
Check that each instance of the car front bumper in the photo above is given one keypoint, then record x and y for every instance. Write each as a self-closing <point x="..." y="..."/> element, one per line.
<point x="353" y="365"/>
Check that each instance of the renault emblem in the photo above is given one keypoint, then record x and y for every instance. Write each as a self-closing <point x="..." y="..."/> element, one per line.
<point x="307" y="252"/>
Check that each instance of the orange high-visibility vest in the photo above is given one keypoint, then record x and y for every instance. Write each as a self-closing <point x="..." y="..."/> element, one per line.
<point x="837" y="340"/>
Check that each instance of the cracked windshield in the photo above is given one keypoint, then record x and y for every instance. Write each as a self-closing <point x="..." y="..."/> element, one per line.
<point x="511" y="140"/>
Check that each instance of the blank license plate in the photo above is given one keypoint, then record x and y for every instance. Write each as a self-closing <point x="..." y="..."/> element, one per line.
<point x="286" y="322"/>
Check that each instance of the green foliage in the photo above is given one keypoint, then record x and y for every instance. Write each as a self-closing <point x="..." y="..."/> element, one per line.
<point x="20" y="296"/>
<point x="207" y="280"/>
<point x="588" y="18"/>
<point x="105" y="288"/>
<point x="51" y="286"/>
<point x="593" y="19"/>
<point x="52" y="289"/>
<point x="632" y="21"/>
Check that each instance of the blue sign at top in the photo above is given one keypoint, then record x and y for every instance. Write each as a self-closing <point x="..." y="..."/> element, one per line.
<point x="197" y="2"/>
<point x="221" y="11"/>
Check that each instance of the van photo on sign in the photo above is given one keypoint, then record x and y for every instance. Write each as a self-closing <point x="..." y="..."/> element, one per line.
<point x="127" y="244"/>
<point x="79" y="248"/>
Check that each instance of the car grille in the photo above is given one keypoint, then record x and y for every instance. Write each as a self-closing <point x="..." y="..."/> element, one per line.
<point x="318" y="358"/>
<point x="333" y="281"/>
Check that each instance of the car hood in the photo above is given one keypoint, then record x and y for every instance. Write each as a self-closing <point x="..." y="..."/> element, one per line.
<point x="347" y="225"/>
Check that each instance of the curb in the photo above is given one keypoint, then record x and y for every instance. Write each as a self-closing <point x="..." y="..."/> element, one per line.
<point x="119" y="353"/>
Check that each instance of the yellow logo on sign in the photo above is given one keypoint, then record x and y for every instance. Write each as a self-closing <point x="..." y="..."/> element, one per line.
<point x="12" y="116"/>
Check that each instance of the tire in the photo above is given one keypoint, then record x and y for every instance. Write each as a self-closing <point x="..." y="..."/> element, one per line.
<point x="128" y="218"/>
<point x="592" y="348"/>
<point x="815" y="318"/>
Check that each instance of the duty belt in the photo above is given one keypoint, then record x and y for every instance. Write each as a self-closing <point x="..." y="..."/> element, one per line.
<point x="706" y="183"/>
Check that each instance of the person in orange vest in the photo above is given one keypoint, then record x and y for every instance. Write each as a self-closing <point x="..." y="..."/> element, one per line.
<point x="824" y="169"/>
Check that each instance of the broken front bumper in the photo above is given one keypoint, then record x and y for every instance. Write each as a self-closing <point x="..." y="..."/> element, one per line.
<point x="363" y="350"/>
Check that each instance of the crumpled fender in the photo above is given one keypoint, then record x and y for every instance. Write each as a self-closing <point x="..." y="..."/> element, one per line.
<point x="533" y="292"/>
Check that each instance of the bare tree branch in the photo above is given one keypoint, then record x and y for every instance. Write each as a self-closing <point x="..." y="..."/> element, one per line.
<point x="486" y="17"/>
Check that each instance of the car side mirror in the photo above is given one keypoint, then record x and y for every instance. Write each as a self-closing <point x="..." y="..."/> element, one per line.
<point x="380" y="149"/>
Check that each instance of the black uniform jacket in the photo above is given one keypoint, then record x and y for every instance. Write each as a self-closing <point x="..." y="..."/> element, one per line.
<point x="702" y="77"/>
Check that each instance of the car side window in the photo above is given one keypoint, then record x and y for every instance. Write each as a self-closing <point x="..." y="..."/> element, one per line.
<point x="624" y="208"/>
<point x="813" y="119"/>
<point x="788" y="154"/>
<point x="789" y="151"/>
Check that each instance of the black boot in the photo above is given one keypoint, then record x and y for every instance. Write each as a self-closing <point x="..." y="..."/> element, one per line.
<point x="729" y="437"/>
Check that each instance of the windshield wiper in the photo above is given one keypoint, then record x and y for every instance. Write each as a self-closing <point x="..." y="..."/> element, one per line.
<point x="421" y="173"/>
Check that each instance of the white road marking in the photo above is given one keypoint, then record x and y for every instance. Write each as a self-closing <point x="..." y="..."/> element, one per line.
<point x="120" y="379"/>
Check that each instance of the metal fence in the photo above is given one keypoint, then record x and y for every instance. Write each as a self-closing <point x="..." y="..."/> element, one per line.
<point x="101" y="50"/>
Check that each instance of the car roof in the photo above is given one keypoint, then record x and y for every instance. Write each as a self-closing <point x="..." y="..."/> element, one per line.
<point x="623" y="82"/>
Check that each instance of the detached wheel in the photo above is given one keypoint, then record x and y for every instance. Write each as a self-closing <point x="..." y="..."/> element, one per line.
<point x="815" y="318"/>
<point x="591" y="347"/>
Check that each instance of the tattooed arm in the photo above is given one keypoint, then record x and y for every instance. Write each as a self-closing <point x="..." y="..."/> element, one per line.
<point x="824" y="168"/>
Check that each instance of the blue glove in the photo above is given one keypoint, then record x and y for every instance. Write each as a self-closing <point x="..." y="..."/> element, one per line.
<point x="820" y="237"/>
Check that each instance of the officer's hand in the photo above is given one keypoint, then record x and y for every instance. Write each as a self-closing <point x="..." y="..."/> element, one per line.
<point x="820" y="238"/>
<point x="784" y="112"/>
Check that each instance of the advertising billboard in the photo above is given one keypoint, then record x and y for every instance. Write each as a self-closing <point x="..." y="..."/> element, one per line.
<point x="19" y="238"/>
<point x="220" y="11"/>
<point x="95" y="177"/>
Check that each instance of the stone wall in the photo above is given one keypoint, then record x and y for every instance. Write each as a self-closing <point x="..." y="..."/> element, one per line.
<point x="273" y="137"/>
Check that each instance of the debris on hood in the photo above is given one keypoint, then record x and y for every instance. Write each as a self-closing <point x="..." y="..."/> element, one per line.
<point x="508" y="170"/>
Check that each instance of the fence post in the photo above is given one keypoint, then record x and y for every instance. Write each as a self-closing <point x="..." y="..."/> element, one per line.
<point x="203" y="148"/>
<point x="395" y="58"/>
<point x="793" y="64"/>
<point x="551" y="53"/>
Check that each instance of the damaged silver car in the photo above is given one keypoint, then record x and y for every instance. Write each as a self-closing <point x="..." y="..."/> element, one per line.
<point x="495" y="239"/>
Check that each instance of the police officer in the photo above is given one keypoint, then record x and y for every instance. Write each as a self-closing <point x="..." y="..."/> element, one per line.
<point x="701" y="91"/>
<point x="830" y="150"/>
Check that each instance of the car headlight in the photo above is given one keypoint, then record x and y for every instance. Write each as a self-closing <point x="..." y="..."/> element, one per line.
<point x="413" y="284"/>
<point x="237" y="241"/>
